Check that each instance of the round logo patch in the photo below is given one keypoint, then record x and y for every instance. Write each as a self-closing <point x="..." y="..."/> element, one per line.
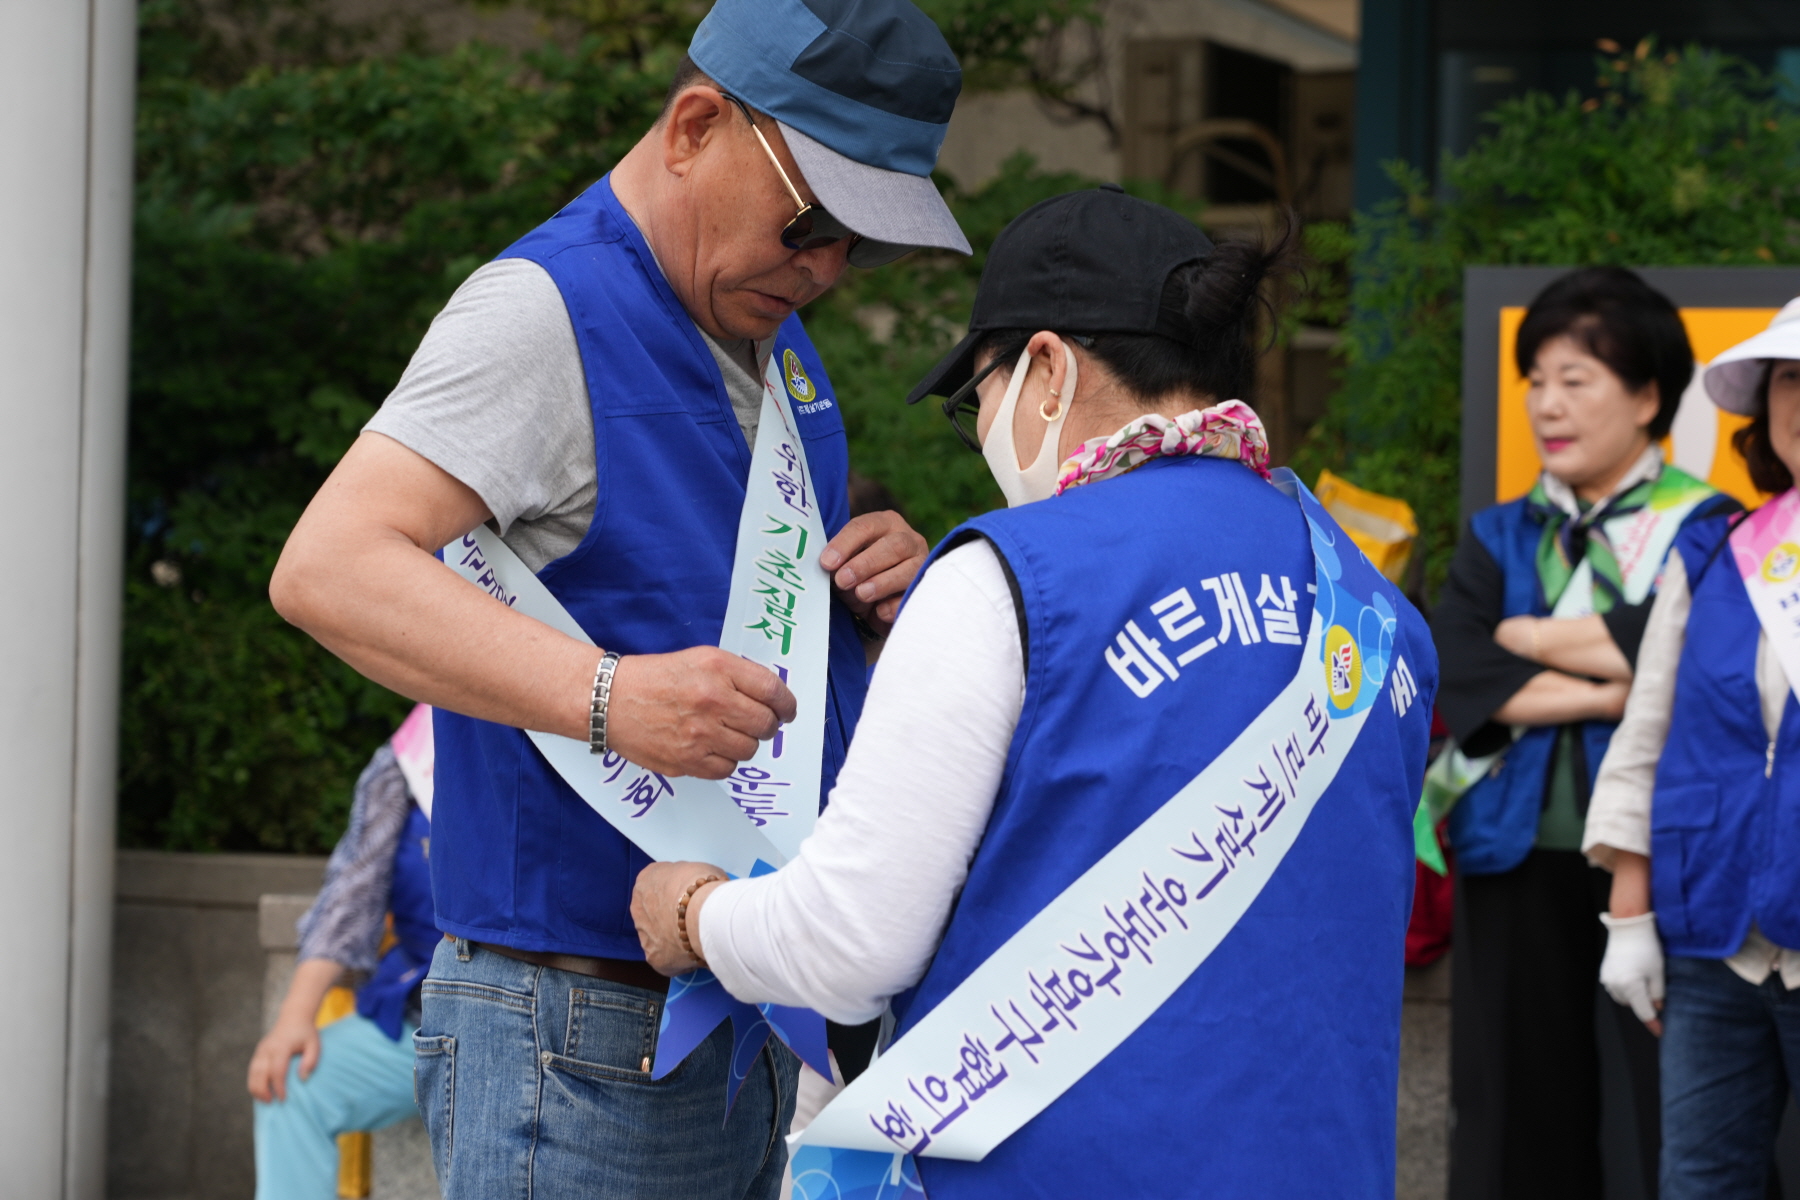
<point x="1343" y="667"/>
<point x="798" y="385"/>
<point x="1781" y="563"/>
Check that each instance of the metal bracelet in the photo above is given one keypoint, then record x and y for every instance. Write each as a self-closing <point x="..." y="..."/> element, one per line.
<point x="603" y="677"/>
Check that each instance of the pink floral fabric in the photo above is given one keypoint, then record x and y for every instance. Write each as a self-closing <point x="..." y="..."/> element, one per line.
<point x="1227" y="430"/>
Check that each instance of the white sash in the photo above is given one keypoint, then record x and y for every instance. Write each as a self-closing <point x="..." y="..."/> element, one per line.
<point x="1766" y="548"/>
<point x="1080" y="977"/>
<point x="778" y="614"/>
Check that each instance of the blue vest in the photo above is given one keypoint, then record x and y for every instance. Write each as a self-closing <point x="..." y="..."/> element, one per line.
<point x="394" y="986"/>
<point x="1495" y="824"/>
<point x="1273" y="1070"/>
<point x="518" y="858"/>
<point x="1724" y="821"/>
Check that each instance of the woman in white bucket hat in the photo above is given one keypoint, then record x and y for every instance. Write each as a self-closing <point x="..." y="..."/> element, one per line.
<point x="1697" y="806"/>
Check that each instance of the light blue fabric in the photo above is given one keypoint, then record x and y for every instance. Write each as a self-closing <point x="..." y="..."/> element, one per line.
<point x="364" y="1080"/>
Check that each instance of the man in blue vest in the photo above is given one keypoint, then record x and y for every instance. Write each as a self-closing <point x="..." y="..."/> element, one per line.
<point x="593" y="397"/>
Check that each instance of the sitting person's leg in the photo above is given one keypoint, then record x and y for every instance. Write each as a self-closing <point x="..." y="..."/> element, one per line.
<point x="363" y="1080"/>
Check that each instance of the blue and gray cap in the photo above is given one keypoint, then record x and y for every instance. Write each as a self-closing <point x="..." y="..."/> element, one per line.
<point x="863" y="90"/>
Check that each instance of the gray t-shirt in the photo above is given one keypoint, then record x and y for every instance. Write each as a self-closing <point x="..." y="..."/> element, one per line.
<point x="497" y="397"/>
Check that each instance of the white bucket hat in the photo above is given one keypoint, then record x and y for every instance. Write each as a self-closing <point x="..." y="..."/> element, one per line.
<point x="1732" y="377"/>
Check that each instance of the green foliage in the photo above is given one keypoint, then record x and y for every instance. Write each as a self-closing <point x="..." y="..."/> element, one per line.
<point x="298" y="225"/>
<point x="1686" y="158"/>
<point x="297" y="228"/>
<point x="1000" y="43"/>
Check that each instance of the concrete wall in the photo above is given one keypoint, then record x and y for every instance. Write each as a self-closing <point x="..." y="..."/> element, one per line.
<point x="188" y="975"/>
<point x="204" y="947"/>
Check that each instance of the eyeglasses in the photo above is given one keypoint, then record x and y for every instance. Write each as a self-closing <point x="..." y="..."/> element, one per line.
<point x="812" y="227"/>
<point x="965" y="403"/>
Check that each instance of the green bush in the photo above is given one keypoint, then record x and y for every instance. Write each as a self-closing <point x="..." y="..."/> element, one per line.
<point x="302" y="214"/>
<point x="1683" y="158"/>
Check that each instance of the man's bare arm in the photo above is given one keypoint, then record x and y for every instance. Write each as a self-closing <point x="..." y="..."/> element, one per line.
<point x="358" y="574"/>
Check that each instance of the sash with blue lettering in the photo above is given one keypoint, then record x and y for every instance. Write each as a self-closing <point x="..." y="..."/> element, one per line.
<point x="779" y="615"/>
<point x="969" y="1074"/>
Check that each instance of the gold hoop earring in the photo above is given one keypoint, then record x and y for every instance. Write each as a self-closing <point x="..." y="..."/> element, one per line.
<point x="1051" y="416"/>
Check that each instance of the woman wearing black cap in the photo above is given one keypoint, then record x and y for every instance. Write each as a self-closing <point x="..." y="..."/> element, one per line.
<point x="1125" y="829"/>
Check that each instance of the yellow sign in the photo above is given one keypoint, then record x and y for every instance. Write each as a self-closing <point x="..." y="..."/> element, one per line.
<point x="1781" y="563"/>
<point x="1343" y="667"/>
<point x="1701" y="440"/>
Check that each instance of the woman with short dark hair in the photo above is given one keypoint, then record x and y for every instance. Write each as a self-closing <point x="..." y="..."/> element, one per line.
<point x="1537" y="628"/>
<point x="1697" y="807"/>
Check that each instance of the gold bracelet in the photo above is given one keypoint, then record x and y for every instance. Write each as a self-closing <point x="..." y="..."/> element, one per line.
<point x="681" y="907"/>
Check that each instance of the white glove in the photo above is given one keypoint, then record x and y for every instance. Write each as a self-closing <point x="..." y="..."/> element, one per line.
<point x="1632" y="971"/>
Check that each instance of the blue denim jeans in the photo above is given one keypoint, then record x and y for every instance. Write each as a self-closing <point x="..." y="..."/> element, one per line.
<point x="1730" y="1053"/>
<point x="535" y="1083"/>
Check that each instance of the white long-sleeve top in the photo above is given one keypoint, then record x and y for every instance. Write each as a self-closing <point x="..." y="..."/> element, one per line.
<point x="1619" y="814"/>
<point x="856" y="916"/>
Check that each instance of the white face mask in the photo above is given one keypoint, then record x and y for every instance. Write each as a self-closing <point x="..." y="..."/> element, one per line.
<point x="1022" y="485"/>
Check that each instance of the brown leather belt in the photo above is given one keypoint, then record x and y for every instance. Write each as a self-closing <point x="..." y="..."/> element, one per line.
<point x="628" y="971"/>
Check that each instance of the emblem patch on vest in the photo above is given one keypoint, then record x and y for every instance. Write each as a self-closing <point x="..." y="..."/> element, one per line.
<point x="1779" y="565"/>
<point x="798" y="385"/>
<point x="1343" y="666"/>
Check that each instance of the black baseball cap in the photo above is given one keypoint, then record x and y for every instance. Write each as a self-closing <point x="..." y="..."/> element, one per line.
<point x="1095" y="261"/>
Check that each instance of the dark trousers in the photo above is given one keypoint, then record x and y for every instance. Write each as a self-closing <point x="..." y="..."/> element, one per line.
<point x="1731" y="1054"/>
<point x="1530" y="1032"/>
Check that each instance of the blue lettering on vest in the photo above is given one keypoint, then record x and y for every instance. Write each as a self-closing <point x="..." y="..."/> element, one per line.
<point x="1272" y="1071"/>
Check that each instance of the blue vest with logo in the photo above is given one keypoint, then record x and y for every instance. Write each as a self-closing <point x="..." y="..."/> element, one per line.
<point x="518" y="858"/>
<point x="394" y="987"/>
<point x="1273" y="1070"/>
<point x="1495" y="824"/>
<point x="1725" y="817"/>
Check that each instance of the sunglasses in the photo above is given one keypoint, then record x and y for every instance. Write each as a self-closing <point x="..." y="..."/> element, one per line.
<point x="812" y="227"/>
<point x="965" y="405"/>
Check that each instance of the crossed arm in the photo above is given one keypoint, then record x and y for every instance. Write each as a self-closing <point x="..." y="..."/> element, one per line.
<point x="1570" y="649"/>
<point x="1518" y="670"/>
